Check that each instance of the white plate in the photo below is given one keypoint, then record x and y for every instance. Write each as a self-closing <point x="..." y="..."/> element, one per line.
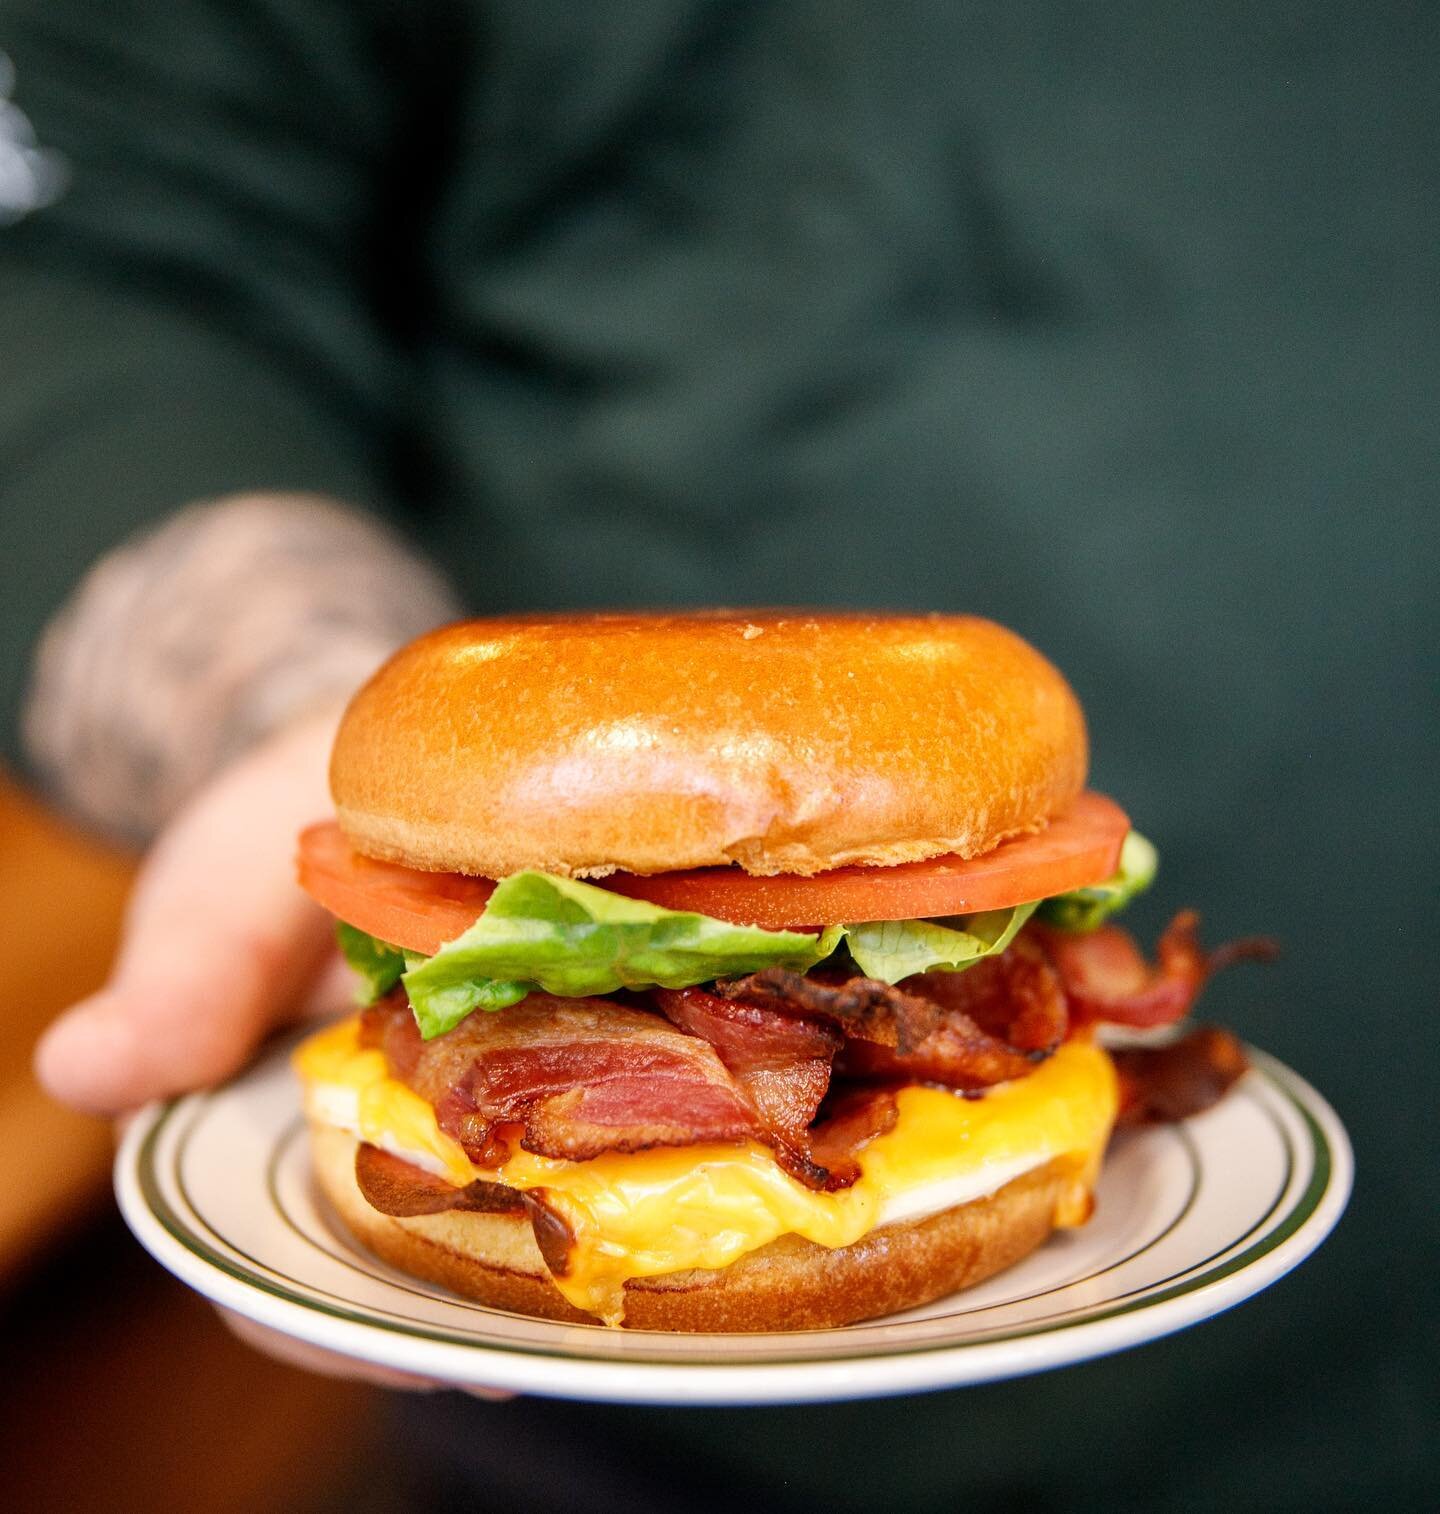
<point x="1191" y="1219"/>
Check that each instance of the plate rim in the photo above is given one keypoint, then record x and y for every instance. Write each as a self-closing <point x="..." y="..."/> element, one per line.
<point x="1226" y="1278"/>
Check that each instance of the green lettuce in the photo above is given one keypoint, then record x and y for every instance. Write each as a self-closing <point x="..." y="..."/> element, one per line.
<point x="570" y="938"/>
<point x="377" y="964"/>
<point x="441" y="1005"/>
<point x="894" y="949"/>
<point x="1085" y="909"/>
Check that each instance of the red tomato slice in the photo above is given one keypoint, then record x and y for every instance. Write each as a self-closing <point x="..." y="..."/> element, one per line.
<point x="1080" y="846"/>
<point x="422" y="910"/>
<point x="401" y="905"/>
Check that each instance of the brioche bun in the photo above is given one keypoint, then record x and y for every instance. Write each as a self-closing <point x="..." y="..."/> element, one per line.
<point x="786" y="742"/>
<point x="789" y="1284"/>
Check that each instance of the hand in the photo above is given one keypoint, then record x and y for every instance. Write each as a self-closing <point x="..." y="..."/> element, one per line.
<point x="220" y="947"/>
<point x="308" y="1358"/>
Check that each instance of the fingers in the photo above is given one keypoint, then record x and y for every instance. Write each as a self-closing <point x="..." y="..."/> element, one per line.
<point x="308" y="1358"/>
<point x="295" y="1353"/>
<point x="219" y="941"/>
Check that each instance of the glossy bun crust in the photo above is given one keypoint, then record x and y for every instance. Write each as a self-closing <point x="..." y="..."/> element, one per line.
<point x="786" y="742"/>
<point x="791" y="1284"/>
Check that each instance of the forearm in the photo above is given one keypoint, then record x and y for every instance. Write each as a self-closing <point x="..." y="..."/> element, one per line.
<point x="183" y="647"/>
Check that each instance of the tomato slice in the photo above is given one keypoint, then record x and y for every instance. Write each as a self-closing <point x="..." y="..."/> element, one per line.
<point x="1079" y="847"/>
<point x="422" y="910"/>
<point x="402" y="905"/>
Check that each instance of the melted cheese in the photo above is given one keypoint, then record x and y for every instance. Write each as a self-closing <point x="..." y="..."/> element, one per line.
<point x="653" y="1212"/>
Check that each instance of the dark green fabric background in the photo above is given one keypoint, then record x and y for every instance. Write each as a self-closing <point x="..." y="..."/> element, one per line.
<point x="1115" y="321"/>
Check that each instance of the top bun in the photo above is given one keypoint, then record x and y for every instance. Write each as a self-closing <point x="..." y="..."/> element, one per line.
<point x="784" y="741"/>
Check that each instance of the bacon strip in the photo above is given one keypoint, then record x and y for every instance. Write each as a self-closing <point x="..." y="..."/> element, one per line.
<point x="850" y="1123"/>
<point x="400" y="1188"/>
<point x="956" y="1053"/>
<point x="1015" y="997"/>
<point x="396" y="1187"/>
<point x="1106" y="977"/>
<point x="1183" y="1078"/>
<point x="574" y="1078"/>
<point x="780" y="1061"/>
<point x="922" y="1029"/>
<point x="866" y="1008"/>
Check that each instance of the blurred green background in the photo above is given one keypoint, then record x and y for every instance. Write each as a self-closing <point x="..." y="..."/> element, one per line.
<point x="1116" y="322"/>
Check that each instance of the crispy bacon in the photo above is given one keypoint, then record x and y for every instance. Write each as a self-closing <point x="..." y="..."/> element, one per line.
<point x="575" y="1077"/>
<point x="922" y="1029"/>
<point x="781" y="1062"/>
<point x="400" y="1188"/>
<point x="1179" y="1079"/>
<point x="389" y="1026"/>
<point x="396" y="1187"/>
<point x="866" y="1008"/>
<point x="1106" y="977"/>
<point x="848" y="1125"/>
<point x="1015" y="997"/>
<point x="956" y="1053"/>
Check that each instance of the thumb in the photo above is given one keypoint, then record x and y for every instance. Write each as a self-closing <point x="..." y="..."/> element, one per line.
<point x="219" y="942"/>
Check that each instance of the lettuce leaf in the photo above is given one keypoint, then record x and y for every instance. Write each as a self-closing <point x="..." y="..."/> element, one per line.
<point x="1085" y="909"/>
<point x="572" y="939"/>
<point x="377" y="964"/>
<point x="894" y="949"/>
<point x="442" y="1005"/>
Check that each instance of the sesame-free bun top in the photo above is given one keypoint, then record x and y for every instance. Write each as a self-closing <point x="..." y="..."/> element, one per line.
<point x="784" y="741"/>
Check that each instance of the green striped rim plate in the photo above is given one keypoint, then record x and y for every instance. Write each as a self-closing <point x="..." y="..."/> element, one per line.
<point x="1190" y="1220"/>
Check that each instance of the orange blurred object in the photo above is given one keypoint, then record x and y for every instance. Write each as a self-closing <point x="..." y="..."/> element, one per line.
<point x="61" y="900"/>
<point x="121" y="1387"/>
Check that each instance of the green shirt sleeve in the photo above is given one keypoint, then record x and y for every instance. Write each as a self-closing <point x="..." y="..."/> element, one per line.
<point x="194" y="313"/>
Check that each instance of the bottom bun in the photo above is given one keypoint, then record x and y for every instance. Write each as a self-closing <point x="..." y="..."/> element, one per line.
<point x="789" y="1284"/>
